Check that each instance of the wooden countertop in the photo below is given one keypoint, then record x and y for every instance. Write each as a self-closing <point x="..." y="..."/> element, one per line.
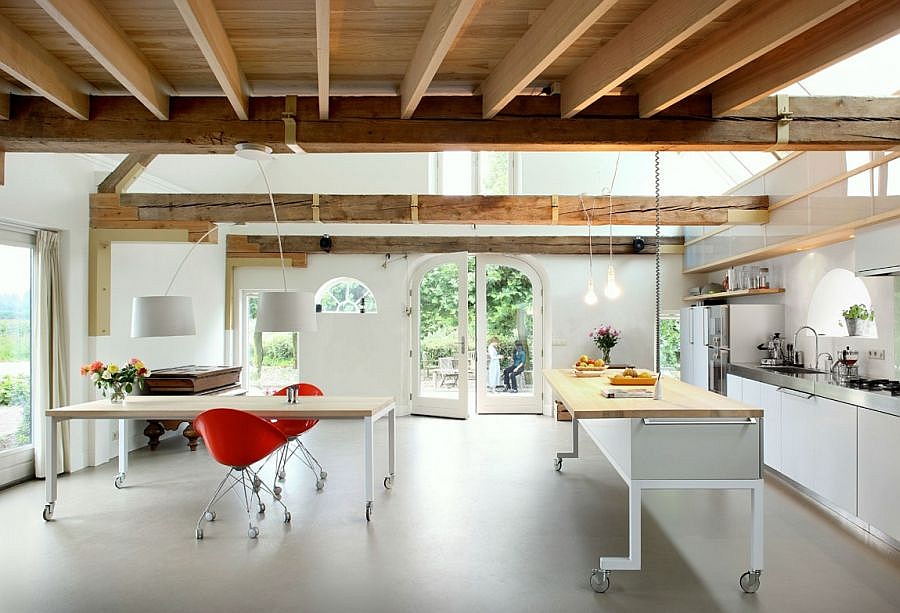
<point x="188" y="407"/>
<point x="582" y="397"/>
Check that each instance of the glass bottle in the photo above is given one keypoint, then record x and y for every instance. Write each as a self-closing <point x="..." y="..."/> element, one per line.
<point x="762" y="278"/>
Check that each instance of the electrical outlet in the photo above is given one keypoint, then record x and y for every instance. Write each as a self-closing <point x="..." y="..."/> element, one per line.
<point x="875" y="354"/>
<point x="115" y="435"/>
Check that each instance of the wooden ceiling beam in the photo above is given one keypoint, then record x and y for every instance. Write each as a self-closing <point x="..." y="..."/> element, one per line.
<point x="560" y="25"/>
<point x="23" y="58"/>
<point x="546" y="245"/>
<point x="125" y="173"/>
<point x="658" y="30"/>
<point x="4" y="106"/>
<point x="847" y="33"/>
<point x="446" y="20"/>
<point x="323" y="55"/>
<point x="102" y="38"/>
<point x="768" y="24"/>
<point x="429" y="209"/>
<point x="203" y="21"/>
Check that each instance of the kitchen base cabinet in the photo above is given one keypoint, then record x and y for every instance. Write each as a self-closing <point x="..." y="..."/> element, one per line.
<point x="819" y="446"/>
<point x="734" y="387"/>
<point x="770" y="401"/>
<point x="879" y="471"/>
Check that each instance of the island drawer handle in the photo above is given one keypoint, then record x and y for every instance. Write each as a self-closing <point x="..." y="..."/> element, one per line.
<point x="649" y="421"/>
<point x="790" y="392"/>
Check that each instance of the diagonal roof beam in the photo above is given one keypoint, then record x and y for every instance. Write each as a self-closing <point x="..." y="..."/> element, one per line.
<point x="23" y="58"/>
<point x="203" y="21"/>
<point x="847" y="33"/>
<point x="126" y="173"/>
<point x="768" y="24"/>
<point x="560" y="25"/>
<point x="323" y="54"/>
<point x="84" y="21"/>
<point x="443" y="27"/>
<point x="655" y="32"/>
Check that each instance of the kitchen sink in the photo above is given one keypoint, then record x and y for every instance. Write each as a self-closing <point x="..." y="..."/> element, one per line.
<point x="794" y="370"/>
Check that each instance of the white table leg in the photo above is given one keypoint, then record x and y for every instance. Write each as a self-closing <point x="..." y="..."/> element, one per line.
<point x="369" y="426"/>
<point x="756" y="529"/>
<point x="392" y="448"/>
<point x="633" y="561"/>
<point x="557" y="462"/>
<point x="123" y="453"/>
<point x="51" y="459"/>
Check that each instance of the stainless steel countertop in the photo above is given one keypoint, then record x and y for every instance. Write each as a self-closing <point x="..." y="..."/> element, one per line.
<point x="819" y="385"/>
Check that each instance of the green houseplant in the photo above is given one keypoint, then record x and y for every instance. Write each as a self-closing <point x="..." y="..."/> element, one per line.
<point x="857" y="318"/>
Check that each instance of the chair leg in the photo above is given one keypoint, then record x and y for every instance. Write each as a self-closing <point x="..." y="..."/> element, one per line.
<point x="250" y="484"/>
<point x="299" y="450"/>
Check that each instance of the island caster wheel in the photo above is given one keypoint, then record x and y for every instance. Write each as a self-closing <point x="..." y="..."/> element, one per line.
<point x="750" y="581"/>
<point x="210" y="516"/>
<point x="199" y="534"/>
<point x="253" y="532"/>
<point x="48" y="511"/>
<point x="323" y="474"/>
<point x="599" y="580"/>
<point x="369" y="510"/>
<point x="557" y="464"/>
<point x="389" y="482"/>
<point x="287" y="517"/>
<point x="120" y="481"/>
<point x="320" y="484"/>
<point x="262" y="508"/>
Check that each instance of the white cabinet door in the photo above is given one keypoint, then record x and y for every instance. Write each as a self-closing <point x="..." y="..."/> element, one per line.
<point x="819" y="446"/>
<point x="687" y="346"/>
<point x="734" y="386"/>
<point x="700" y="365"/>
<point x="879" y="471"/>
<point x="770" y="401"/>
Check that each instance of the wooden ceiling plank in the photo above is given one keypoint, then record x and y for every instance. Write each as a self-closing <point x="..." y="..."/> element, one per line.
<point x="125" y="173"/>
<point x="658" y="30"/>
<point x="93" y="29"/>
<point x="560" y="25"/>
<point x="323" y="55"/>
<point x="4" y="106"/>
<point x="203" y="21"/>
<point x="767" y="25"/>
<point x="847" y="33"/>
<point x="443" y="27"/>
<point x="23" y="58"/>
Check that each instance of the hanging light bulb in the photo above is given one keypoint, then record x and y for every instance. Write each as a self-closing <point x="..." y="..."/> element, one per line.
<point x="590" y="296"/>
<point x="612" y="290"/>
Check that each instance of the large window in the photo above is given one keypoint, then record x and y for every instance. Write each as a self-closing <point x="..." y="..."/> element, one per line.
<point x="486" y="173"/>
<point x="16" y="257"/>
<point x="270" y="358"/>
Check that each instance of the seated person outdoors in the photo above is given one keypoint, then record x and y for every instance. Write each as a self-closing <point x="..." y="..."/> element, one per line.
<point x="511" y="372"/>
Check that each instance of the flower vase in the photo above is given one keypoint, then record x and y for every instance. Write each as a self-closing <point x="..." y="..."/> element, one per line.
<point x="117" y="393"/>
<point x="604" y="353"/>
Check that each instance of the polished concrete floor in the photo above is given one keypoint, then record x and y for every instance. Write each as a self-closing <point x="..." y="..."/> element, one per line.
<point x="477" y="521"/>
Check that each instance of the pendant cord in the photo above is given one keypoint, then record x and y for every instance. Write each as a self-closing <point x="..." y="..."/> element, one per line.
<point x="275" y="216"/>
<point x="590" y="245"/>
<point x="612" y="182"/>
<point x="187" y="255"/>
<point x="658" y="362"/>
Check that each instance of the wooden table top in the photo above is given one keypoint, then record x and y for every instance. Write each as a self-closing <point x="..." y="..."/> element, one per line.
<point x="188" y="407"/>
<point x="582" y="397"/>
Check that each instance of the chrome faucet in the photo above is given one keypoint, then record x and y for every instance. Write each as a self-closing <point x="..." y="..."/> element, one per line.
<point x="829" y="361"/>
<point x="815" y="335"/>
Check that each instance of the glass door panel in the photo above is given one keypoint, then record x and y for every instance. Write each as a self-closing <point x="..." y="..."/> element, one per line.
<point x="270" y="358"/>
<point x="15" y="346"/>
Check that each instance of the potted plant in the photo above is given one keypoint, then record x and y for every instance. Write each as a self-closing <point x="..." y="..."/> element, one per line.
<point x="857" y="318"/>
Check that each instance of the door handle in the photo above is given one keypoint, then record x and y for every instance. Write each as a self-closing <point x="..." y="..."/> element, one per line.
<point x="650" y="421"/>
<point x="795" y="393"/>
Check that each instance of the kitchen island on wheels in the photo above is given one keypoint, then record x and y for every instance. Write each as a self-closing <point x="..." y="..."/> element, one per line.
<point x="687" y="438"/>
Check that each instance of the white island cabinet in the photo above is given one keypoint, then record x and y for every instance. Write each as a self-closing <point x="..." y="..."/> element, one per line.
<point x="879" y="471"/>
<point x="770" y="401"/>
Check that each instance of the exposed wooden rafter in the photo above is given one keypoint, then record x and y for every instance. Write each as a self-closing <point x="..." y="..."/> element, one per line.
<point x="445" y="22"/>
<point x="323" y="54"/>
<point x="95" y="31"/>
<point x="768" y="24"/>
<point x="658" y="30"/>
<point x="560" y="25"/>
<point x="27" y="61"/>
<point x="125" y="173"/>
<point x="4" y="106"/>
<point x="205" y="26"/>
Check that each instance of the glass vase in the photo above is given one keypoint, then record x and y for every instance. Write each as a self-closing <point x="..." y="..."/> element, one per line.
<point x="604" y="353"/>
<point x="117" y="393"/>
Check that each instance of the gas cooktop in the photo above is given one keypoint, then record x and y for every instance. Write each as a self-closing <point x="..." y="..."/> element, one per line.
<point x="875" y="385"/>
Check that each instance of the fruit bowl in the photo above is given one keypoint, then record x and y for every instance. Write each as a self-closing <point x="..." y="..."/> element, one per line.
<point x="632" y="377"/>
<point x="589" y="368"/>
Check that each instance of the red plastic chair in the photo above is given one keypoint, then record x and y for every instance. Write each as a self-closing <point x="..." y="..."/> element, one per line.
<point x="237" y="440"/>
<point x="292" y="429"/>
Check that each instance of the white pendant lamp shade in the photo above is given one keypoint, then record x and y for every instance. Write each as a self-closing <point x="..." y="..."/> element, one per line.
<point x="286" y="312"/>
<point x="162" y="316"/>
<point x="612" y="290"/>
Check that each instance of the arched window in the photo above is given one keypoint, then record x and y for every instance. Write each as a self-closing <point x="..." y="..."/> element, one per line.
<point x="346" y="295"/>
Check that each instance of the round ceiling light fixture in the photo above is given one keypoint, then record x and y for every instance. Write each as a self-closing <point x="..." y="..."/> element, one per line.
<point x="252" y="151"/>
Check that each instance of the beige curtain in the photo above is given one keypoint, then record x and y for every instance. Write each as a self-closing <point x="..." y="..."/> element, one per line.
<point x="51" y="385"/>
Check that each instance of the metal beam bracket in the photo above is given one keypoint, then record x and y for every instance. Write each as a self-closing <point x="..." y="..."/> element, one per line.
<point x="289" y="117"/>
<point x="785" y="116"/>
<point x="554" y="209"/>
<point x="414" y="208"/>
<point x="315" y="208"/>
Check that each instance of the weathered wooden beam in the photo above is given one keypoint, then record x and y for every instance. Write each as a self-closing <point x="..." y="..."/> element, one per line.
<point x="530" y="123"/>
<point x="4" y="106"/>
<point x="125" y="173"/>
<point x="2" y="168"/>
<point x="546" y="245"/>
<point x="518" y="210"/>
<point x="323" y="54"/>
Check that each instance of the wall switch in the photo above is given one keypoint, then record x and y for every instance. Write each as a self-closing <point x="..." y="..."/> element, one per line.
<point x="875" y="354"/>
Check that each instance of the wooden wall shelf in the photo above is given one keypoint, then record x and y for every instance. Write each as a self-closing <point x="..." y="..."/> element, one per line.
<point x="738" y="293"/>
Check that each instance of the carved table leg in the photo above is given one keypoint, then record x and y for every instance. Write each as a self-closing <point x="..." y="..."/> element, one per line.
<point x="191" y="435"/>
<point x="153" y="431"/>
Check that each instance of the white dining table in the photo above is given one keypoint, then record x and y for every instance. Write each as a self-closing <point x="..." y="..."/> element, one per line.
<point x="187" y="408"/>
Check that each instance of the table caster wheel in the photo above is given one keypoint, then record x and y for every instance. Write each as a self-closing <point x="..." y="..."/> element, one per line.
<point x="199" y="534"/>
<point x="750" y="581"/>
<point x="210" y="516"/>
<point x="287" y="517"/>
<point x="557" y="464"/>
<point x="262" y="508"/>
<point x="599" y="580"/>
<point x="389" y="482"/>
<point x="120" y="481"/>
<point x="48" y="511"/>
<point x="323" y="474"/>
<point x="369" y="510"/>
<point x="320" y="484"/>
<point x="253" y="532"/>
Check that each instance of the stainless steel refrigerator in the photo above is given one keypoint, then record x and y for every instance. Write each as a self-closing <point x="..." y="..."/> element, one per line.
<point x="733" y="333"/>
